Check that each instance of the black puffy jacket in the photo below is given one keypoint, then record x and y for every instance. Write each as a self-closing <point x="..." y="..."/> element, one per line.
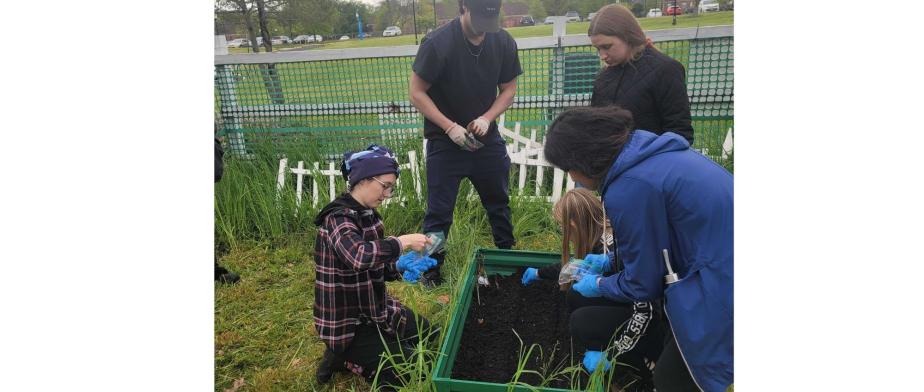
<point x="653" y="88"/>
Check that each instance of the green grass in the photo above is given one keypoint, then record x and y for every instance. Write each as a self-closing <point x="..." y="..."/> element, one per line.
<point x="660" y="23"/>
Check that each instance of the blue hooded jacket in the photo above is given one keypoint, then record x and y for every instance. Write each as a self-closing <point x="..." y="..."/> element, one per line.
<point x="661" y="194"/>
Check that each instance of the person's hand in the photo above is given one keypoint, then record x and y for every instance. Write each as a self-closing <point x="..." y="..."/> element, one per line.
<point x="593" y="358"/>
<point x="456" y="134"/>
<point x="415" y="242"/>
<point x="529" y="276"/>
<point x="588" y="286"/>
<point x="479" y="126"/>
<point x="598" y="263"/>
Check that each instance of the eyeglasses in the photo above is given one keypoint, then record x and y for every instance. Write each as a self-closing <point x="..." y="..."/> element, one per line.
<point x="387" y="188"/>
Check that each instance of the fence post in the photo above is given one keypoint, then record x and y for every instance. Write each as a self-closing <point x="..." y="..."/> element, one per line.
<point x="300" y="179"/>
<point x="330" y="175"/>
<point x="415" y="174"/>
<point x="314" y="184"/>
<point x="281" y="176"/>
<point x="228" y="103"/>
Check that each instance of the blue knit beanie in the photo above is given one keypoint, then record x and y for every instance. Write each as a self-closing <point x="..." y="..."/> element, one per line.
<point x="373" y="161"/>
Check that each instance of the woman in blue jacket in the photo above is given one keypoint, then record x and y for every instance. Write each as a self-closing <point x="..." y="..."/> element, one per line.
<point x="668" y="205"/>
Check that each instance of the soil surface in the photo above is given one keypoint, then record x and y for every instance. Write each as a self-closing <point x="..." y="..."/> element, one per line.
<point x="489" y="349"/>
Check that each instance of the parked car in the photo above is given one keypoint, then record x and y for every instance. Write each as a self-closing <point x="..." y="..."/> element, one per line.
<point x="708" y="6"/>
<point x="284" y="38"/>
<point x="307" y="39"/>
<point x="391" y="31"/>
<point x="654" y="13"/>
<point x="276" y="41"/>
<point x="674" y="10"/>
<point x="573" y="16"/>
<point x="591" y="16"/>
<point x="237" y="43"/>
<point x="549" y="20"/>
<point x="527" y="21"/>
<point x="344" y="37"/>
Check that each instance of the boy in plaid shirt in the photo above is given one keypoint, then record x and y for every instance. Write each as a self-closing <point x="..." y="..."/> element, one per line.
<point x="353" y="261"/>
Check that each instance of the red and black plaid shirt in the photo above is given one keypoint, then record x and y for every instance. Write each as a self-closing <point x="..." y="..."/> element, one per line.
<point x="353" y="259"/>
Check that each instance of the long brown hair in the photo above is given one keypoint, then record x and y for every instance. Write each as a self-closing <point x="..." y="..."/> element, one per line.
<point x="617" y="21"/>
<point x="580" y="214"/>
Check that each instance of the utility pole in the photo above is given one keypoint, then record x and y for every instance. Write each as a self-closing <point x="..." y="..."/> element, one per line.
<point x="414" y="10"/>
<point x="674" y="11"/>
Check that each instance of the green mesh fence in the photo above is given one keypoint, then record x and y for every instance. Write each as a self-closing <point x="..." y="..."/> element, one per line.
<point x="322" y="108"/>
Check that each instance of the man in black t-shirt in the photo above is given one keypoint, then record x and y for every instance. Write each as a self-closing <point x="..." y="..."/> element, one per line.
<point x="464" y="78"/>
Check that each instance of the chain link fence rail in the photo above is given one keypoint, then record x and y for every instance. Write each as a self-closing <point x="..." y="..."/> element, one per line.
<point x="320" y="103"/>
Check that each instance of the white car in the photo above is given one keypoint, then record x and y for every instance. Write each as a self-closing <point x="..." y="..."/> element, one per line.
<point x="284" y="38"/>
<point x="591" y="16"/>
<point x="572" y="16"/>
<point x="654" y="12"/>
<point x="549" y="20"/>
<point x="391" y="31"/>
<point x="708" y="6"/>
<point x="307" y="39"/>
<point x="344" y="37"/>
<point x="237" y="43"/>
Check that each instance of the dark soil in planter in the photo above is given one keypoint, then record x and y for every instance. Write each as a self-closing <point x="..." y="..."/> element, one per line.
<point x="489" y="349"/>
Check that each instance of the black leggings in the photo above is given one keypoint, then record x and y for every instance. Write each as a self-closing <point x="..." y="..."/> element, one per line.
<point x="593" y="328"/>
<point x="367" y="350"/>
<point x="671" y="373"/>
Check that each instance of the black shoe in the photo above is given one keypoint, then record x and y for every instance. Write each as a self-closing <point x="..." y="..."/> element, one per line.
<point x="328" y="366"/>
<point x="222" y="275"/>
<point x="432" y="278"/>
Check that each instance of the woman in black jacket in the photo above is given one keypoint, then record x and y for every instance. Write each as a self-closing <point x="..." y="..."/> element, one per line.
<point x="637" y="76"/>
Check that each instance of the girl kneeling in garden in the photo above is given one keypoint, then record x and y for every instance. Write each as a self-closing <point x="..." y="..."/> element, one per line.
<point x="353" y="313"/>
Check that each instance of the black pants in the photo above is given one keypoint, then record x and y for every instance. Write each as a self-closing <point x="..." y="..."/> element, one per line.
<point x="593" y="328"/>
<point x="594" y="325"/>
<point x="488" y="169"/>
<point x="367" y="349"/>
<point x="671" y="373"/>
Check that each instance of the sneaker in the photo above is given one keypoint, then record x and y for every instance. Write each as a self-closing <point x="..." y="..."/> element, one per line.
<point x="328" y="366"/>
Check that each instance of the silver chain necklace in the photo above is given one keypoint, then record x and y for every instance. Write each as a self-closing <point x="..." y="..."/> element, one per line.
<point x="467" y="47"/>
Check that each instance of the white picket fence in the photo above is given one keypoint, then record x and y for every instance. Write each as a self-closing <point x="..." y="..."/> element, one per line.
<point x="332" y="173"/>
<point x="525" y="152"/>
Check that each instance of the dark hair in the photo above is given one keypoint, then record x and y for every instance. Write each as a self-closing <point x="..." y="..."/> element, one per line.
<point x="588" y="139"/>
<point x="461" y="10"/>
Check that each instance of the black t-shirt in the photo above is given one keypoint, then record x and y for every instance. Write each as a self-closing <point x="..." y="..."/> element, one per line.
<point x="463" y="85"/>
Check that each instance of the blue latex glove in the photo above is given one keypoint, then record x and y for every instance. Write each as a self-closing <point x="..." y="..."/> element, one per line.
<point x="405" y="260"/>
<point x="587" y="286"/>
<point x="593" y="358"/>
<point x="531" y="275"/>
<point x="417" y="265"/>
<point x="411" y="276"/>
<point x="599" y="263"/>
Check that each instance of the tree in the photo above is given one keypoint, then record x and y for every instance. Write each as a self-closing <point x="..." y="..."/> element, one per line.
<point x="245" y="8"/>
<point x="537" y="9"/>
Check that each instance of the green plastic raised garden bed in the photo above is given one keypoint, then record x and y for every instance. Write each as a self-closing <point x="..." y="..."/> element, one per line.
<point x="494" y="261"/>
